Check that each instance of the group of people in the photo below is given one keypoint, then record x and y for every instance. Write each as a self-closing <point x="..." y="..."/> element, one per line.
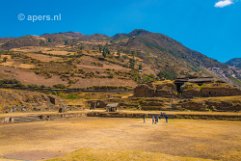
<point x="156" y="118"/>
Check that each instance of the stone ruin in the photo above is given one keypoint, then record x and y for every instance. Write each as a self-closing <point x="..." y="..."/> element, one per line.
<point x="156" y="89"/>
<point x="186" y="88"/>
<point x="96" y="104"/>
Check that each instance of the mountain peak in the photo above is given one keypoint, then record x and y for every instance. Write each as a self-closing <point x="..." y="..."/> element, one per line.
<point x="138" y="32"/>
<point x="236" y="62"/>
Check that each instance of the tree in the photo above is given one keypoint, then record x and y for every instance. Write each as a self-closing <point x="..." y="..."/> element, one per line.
<point x="140" y="67"/>
<point x="105" y="51"/>
<point x="132" y="61"/>
<point x="49" y="40"/>
<point x="167" y="74"/>
<point x="66" y="42"/>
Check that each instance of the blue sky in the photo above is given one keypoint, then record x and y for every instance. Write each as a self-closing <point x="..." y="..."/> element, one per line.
<point x="214" y="30"/>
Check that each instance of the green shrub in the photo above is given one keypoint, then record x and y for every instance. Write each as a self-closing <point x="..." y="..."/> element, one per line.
<point x="168" y="74"/>
<point x="10" y="83"/>
<point x="59" y="86"/>
<point x="148" y="79"/>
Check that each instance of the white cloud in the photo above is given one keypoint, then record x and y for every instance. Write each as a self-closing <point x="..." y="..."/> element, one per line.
<point x="223" y="3"/>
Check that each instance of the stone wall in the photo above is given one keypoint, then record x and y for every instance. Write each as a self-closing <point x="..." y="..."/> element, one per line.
<point x="144" y="90"/>
<point x="166" y="90"/>
<point x="188" y="90"/>
<point x="210" y="105"/>
<point x="23" y="101"/>
<point x="212" y="92"/>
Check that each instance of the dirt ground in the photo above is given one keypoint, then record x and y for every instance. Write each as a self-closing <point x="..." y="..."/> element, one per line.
<point x="203" y="139"/>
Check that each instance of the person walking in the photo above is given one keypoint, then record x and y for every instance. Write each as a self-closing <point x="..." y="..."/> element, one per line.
<point x="153" y="119"/>
<point x="144" y="118"/>
<point x="161" y="115"/>
<point x="166" y="117"/>
<point x="156" y="119"/>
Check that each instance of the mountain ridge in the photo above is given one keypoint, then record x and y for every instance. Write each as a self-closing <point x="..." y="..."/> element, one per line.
<point x="236" y="62"/>
<point x="166" y="57"/>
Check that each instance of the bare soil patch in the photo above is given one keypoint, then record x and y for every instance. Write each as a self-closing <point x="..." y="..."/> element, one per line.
<point x="217" y="140"/>
<point x="104" y="82"/>
<point x="43" y="58"/>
